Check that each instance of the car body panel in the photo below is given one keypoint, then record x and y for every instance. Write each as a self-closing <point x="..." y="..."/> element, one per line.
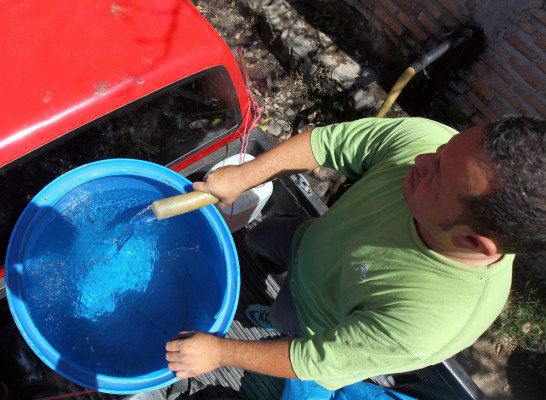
<point x="65" y="64"/>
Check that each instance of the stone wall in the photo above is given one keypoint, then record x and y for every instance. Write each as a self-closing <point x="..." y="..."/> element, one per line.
<point x="508" y="77"/>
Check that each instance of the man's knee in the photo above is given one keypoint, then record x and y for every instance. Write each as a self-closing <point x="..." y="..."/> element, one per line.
<point x="272" y="238"/>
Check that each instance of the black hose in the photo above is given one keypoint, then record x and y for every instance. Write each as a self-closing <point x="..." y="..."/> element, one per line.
<point x="449" y="41"/>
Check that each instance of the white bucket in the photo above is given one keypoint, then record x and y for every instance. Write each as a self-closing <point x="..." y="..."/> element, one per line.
<point x="249" y="204"/>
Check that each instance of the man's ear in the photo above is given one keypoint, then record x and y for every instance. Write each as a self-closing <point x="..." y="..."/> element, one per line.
<point x="470" y="240"/>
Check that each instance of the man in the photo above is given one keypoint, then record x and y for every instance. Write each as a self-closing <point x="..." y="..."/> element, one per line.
<point x="407" y="268"/>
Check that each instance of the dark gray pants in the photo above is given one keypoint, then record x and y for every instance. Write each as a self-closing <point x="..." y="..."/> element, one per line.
<point x="272" y="238"/>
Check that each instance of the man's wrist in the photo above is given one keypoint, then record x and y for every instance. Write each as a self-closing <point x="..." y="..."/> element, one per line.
<point x="222" y="352"/>
<point x="266" y="357"/>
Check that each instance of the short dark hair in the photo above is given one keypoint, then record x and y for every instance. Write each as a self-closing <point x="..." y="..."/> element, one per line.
<point x="513" y="215"/>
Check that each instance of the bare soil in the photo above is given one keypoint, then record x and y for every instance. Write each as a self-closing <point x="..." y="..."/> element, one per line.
<point x="508" y="374"/>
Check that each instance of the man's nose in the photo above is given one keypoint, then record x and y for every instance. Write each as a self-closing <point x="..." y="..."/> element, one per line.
<point x="424" y="163"/>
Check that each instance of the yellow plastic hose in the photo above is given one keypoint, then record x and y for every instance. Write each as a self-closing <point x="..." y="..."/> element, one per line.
<point x="400" y="84"/>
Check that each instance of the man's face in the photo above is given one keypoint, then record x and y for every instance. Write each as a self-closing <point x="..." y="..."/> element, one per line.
<point x="435" y="186"/>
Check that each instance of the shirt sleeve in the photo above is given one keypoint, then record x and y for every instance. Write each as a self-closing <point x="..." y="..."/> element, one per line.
<point x="359" y="348"/>
<point x="352" y="148"/>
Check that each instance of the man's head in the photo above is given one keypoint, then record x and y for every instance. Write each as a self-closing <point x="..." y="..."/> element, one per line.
<point x="485" y="190"/>
<point x="436" y="186"/>
<point x="513" y="214"/>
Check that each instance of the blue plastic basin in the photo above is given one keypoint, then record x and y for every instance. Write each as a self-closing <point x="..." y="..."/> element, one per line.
<point x="99" y="316"/>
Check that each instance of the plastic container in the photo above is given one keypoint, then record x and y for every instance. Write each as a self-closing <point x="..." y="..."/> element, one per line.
<point x="101" y="316"/>
<point x="250" y="204"/>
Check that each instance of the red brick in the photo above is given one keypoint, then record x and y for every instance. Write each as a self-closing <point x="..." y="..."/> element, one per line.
<point x="407" y="7"/>
<point x="366" y="13"/>
<point x="391" y="23"/>
<point x="527" y="27"/>
<point x="479" y="119"/>
<point x="498" y="48"/>
<point x="432" y="26"/>
<point x="452" y="8"/>
<point x="472" y="5"/>
<point x="539" y="14"/>
<point x="498" y="69"/>
<point x="449" y="22"/>
<point x="541" y="109"/>
<point x="356" y="4"/>
<point x="542" y="65"/>
<point x="389" y="6"/>
<point x="526" y="74"/>
<point x="432" y="8"/>
<point x="439" y="14"/>
<point x="475" y="101"/>
<point x="370" y="4"/>
<point x="520" y="46"/>
<point x="541" y="42"/>
<point x="505" y="110"/>
<point x="503" y="91"/>
<point x="479" y="68"/>
<point x="395" y="39"/>
<point x="414" y="28"/>
<point x="531" y="99"/>
<point x="378" y="24"/>
<point x="479" y="87"/>
<point x="416" y="46"/>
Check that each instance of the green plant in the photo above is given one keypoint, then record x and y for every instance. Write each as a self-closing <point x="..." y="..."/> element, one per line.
<point x="324" y="98"/>
<point x="522" y="322"/>
<point x="321" y="81"/>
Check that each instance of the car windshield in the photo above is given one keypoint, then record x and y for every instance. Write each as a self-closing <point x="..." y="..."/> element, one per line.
<point x="165" y="127"/>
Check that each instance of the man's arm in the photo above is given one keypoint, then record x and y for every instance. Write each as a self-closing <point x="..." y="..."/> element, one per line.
<point x="292" y="156"/>
<point x="195" y="353"/>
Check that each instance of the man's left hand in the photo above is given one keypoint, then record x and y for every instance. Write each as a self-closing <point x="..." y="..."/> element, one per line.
<point x="193" y="353"/>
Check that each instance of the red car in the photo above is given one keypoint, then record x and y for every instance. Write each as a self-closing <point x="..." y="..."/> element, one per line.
<point x="105" y="79"/>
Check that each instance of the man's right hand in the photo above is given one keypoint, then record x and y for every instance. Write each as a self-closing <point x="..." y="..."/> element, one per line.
<point x="226" y="183"/>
